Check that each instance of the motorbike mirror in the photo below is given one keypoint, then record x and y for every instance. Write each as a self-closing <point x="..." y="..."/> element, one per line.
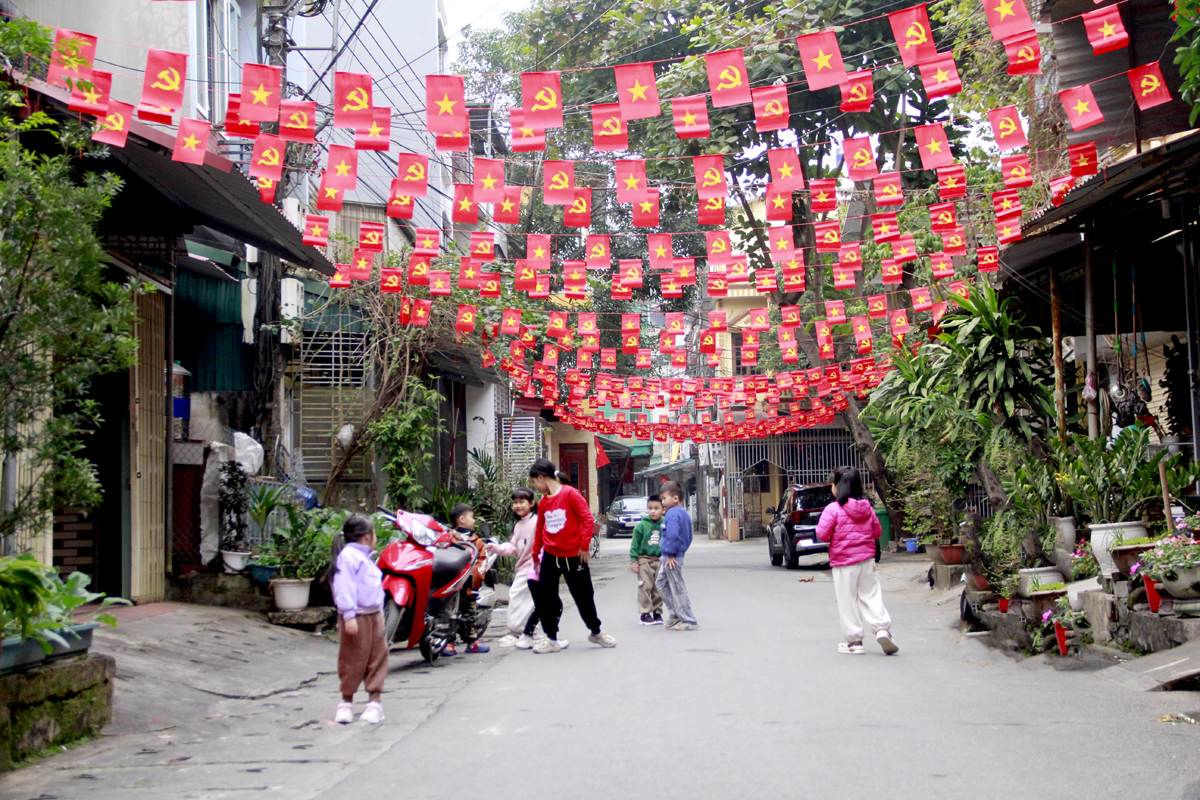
<point x="771" y="510"/>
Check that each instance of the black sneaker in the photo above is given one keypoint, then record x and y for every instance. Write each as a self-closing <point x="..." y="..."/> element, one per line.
<point x="656" y="620"/>
<point x="646" y="620"/>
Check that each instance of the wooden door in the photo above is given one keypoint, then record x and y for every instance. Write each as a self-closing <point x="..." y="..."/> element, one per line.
<point x="573" y="461"/>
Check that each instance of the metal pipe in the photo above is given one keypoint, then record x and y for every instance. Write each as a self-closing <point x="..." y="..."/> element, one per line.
<point x="1089" y="313"/>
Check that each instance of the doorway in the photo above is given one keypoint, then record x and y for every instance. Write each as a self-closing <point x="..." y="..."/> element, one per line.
<point x="573" y="462"/>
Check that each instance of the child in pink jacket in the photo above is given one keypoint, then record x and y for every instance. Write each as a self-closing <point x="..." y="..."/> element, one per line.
<point x="850" y="526"/>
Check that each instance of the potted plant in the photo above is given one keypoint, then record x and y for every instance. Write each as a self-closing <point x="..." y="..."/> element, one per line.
<point x="1063" y="618"/>
<point x="1114" y="485"/>
<point x="1128" y="553"/>
<point x="301" y="550"/>
<point x="1008" y="588"/>
<point x="37" y="613"/>
<point x="235" y="503"/>
<point x="1175" y="562"/>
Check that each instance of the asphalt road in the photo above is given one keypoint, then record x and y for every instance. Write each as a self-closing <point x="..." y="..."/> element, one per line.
<point x="758" y="703"/>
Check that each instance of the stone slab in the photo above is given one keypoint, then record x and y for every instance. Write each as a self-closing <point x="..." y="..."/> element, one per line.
<point x="947" y="576"/>
<point x="1158" y="671"/>
<point x="313" y="617"/>
<point x="1154" y="633"/>
<point x="1100" y="609"/>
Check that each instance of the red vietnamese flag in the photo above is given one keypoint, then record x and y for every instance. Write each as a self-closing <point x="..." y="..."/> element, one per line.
<point x="1007" y="17"/>
<point x="412" y="170"/>
<point x="579" y="213"/>
<point x="661" y="251"/>
<point x="464" y="321"/>
<point x="921" y="298"/>
<point x="823" y="195"/>
<point x="420" y="313"/>
<point x="631" y="180"/>
<point x="952" y="181"/>
<point x="298" y="121"/>
<point x="933" y="146"/>
<point x="913" y="35"/>
<point x="1149" y="87"/>
<point x="191" y="141"/>
<point x="525" y="139"/>
<point x="1017" y="172"/>
<point x="370" y="236"/>
<point x="465" y="208"/>
<point x="1059" y="188"/>
<point x="771" y="111"/>
<point x="942" y="217"/>
<point x="785" y="169"/>
<point x="541" y="99"/>
<point x="330" y="198"/>
<point x="316" y="230"/>
<point x="377" y="135"/>
<point x="728" y="80"/>
<point x="1006" y="204"/>
<point x="860" y="158"/>
<point x="93" y="98"/>
<point x="904" y="249"/>
<point x="558" y="182"/>
<point x="234" y="126"/>
<point x="489" y="180"/>
<point x="267" y="159"/>
<point x="1006" y="128"/>
<point x="609" y="130"/>
<point x="782" y="243"/>
<point x="821" y="58"/>
<point x="690" y="116"/>
<point x="340" y="279"/>
<point x="73" y="56"/>
<point x="508" y="210"/>
<point x="1008" y="230"/>
<point x="1084" y="159"/>
<point x="351" y="100"/>
<point x="941" y="265"/>
<point x="341" y="166"/>
<point x="637" y="93"/>
<point x="885" y="228"/>
<point x="988" y="258"/>
<point x="954" y="243"/>
<point x="260" y="93"/>
<point x="602" y="459"/>
<point x="445" y="104"/>
<point x="887" y="190"/>
<point x="400" y="205"/>
<point x="427" y="242"/>
<point x="1104" y="30"/>
<point x="266" y="189"/>
<point x="646" y="210"/>
<point x="1081" y="107"/>
<point x="1024" y="54"/>
<point x="858" y="91"/>
<point x="940" y="76"/>
<point x="162" y="84"/>
<point x="537" y="250"/>
<point x="710" y="176"/>
<point x="779" y="204"/>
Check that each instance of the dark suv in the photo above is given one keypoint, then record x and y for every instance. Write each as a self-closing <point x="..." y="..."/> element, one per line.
<point x="624" y="514"/>
<point x="793" y="530"/>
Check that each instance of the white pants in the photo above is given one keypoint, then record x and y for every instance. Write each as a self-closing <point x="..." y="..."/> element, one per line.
<point x="520" y="603"/>
<point x="859" y="600"/>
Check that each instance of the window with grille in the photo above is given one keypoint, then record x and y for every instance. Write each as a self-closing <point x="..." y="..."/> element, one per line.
<point x="333" y="358"/>
<point x="323" y="411"/>
<point x="521" y="440"/>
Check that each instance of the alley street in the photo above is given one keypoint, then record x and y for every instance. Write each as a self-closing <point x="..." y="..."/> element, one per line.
<point x="755" y="703"/>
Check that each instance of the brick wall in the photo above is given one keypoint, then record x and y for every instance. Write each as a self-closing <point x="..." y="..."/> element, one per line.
<point x="74" y="543"/>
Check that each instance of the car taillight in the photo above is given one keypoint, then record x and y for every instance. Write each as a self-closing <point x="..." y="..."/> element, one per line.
<point x="796" y="517"/>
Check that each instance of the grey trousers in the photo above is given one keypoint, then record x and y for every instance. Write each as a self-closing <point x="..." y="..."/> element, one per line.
<point x="674" y="592"/>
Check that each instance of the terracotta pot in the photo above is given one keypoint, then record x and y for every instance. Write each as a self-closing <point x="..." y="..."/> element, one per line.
<point x="1004" y="601"/>
<point x="1152" y="595"/>
<point x="1106" y="536"/>
<point x="1040" y="603"/>
<point x="1125" y="556"/>
<point x="952" y="553"/>
<point x="1060" y="633"/>
<point x="980" y="582"/>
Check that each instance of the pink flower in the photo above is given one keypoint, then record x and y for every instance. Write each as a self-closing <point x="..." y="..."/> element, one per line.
<point x="1134" y="569"/>
<point x="1047" y="615"/>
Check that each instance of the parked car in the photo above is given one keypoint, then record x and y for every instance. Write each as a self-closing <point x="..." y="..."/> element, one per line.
<point x="792" y="531"/>
<point x="624" y="514"/>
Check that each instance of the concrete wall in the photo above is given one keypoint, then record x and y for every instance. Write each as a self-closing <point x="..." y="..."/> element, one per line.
<point x="481" y="418"/>
<point x="565" y="434"/>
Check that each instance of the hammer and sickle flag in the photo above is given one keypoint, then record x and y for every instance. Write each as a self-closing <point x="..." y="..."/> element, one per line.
<point x="73" y="56"/>
<point x="162" y="84"/>
<point x="579" y="213"/>
<point x="1149" y="86"/>
<point x="933" y="146"/>
<point x="637" y="92"/>
<point x="558" y="182"/>
<point x="914" y="36"/>
<point x="464" y="321"/>
<point x="728" y="80"/>
<point x="954" y="242"/>
<point x="445" y="104"/>
<point x="711" y="211"/>
<point x="988" y="258"/>
<point x="316" y="230"/>
<point x="943" y="217"/>
<point x="483" y="245"/>
<point x="1059" y="187"/>
<point x="114" y="124"/>
<point x="887" y="190"/>
<point x="298" y="121"/>
<point x="771" y="111"/>
<point x="412" y="170"/>
<point x="370" y="236"/>
<point x="1016" y="171"/>
<point x="267" y="159"/>
<point x="351" y="100"/>
<point x="541" y="99"/>
<point x="609" y="130"/>
<point x="598" y="254"/>
<point x="828" y="235"/>
<point x="821" y="58"/>
<point x="710" y="176"/>
<point x="1006" y="128"/>
<point x="860" y="158"/>
<point x="720" y="249"/>
<point x="940" y="76"/>
<point x="260" y="93"/>
<point x="690" y="116"/>
<point x="400" y="205"/>
<point x="858" y="91"/>
<point x="1024" y="54"/>
<point x="191" y="141"/>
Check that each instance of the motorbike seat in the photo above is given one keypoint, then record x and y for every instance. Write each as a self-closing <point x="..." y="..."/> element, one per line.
<point x="449" y="563"/>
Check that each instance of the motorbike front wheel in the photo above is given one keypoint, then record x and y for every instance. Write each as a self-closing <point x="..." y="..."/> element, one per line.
<point x="594" y="551"/>
<point x="393" y="615"/>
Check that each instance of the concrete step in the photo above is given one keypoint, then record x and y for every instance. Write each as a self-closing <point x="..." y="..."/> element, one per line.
<point x="1158" y="671"/>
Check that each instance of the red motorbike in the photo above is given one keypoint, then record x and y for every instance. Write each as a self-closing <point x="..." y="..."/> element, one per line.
<point x="423" y="578"/>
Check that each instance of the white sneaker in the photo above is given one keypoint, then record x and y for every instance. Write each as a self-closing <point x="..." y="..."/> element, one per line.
<point x="507" y="640"/>
<point x="345" y="714"/>
<point x="563" y="644"/>
<point x="524" y="642"/>
<point x="602" y="639"/>
<point x="852" y="649"/>
<point x="546" y="646"/>
<point x="884" y="637"/>
<point x="373" y="714"/>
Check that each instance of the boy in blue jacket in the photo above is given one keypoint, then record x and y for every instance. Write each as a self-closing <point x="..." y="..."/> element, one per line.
<point x="675" y="540"/>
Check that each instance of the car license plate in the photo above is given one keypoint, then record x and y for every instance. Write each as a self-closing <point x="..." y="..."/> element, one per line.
<point x="807" y="542"/>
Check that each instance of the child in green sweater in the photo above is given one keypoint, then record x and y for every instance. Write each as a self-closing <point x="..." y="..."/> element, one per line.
<point x="644" y="555"/>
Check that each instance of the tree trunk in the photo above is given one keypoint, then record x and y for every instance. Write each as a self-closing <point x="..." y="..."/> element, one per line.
<point x="991" y="485"/>
<point x="880" y="475"/>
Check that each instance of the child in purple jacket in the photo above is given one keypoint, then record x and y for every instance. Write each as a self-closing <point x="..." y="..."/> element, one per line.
<point x="358" y="594"/>
<point x="850" y="526"/>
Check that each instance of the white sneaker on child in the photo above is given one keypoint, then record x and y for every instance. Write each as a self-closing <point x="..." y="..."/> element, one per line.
<point x="853" y="649"/>
<point x="563" y="644"/>
<point x="373" y="714"/>
<point x="884" y="637"/>
<point x="508" y="640"/>
<point x="345" y="714"/>
<point x="524" y="642"/>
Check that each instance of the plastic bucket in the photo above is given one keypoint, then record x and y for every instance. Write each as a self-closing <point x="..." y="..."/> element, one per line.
<point x="911" y="545"/>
